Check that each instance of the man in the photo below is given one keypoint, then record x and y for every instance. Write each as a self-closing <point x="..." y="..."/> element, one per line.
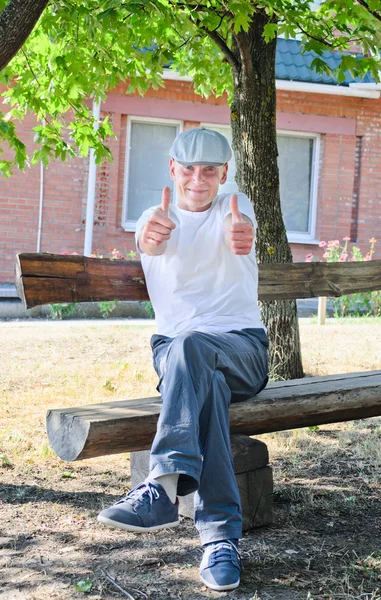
<point x="199" y="262"/>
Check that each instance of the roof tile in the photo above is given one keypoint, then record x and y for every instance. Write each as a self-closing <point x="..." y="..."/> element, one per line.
<point x="292" y="65"/>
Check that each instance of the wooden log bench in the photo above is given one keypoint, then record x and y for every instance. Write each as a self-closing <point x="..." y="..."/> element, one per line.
<point x="129" y="425"/>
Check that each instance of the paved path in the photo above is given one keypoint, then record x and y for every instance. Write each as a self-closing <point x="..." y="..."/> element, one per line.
<point x="77" y="322"/>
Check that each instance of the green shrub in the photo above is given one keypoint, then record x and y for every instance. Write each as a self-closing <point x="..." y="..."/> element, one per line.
<point x="362" y="303"/>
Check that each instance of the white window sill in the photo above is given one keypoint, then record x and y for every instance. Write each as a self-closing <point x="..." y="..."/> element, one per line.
<point x="294" y="238"/>
<point x="129" y="226"/>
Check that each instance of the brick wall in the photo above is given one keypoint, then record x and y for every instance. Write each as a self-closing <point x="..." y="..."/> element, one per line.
<point x="349" y="190"/>
<point x="349" y="193"/>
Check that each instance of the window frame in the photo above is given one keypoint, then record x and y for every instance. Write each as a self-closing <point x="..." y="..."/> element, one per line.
<point x="297" y="237"/>
<point x="307" y="237"/>
<point x="129" y="224"/>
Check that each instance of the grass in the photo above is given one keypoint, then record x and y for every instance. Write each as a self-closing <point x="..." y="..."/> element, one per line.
<point x="57" y="365"/>
<point x="324" y="543"/>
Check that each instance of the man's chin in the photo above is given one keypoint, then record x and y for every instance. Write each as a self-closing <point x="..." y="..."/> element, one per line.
<point x="203" y="197"/>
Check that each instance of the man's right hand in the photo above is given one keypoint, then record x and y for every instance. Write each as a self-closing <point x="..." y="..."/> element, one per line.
<point x="157" y="230"/>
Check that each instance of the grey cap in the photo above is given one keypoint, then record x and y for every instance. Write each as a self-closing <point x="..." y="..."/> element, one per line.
<point x="201" y="147"/>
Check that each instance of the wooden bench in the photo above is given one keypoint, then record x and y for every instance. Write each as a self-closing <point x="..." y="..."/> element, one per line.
<point x="129" y="425"/>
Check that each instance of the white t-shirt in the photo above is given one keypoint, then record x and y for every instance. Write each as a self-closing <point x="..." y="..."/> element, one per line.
<point x="198" y="284"/>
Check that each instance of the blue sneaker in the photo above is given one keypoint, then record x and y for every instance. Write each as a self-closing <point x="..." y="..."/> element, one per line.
<point x="220" y="566"/>
<point x="145" y="508"/>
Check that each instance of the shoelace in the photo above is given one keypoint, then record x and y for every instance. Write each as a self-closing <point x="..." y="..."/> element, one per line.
<point x="141" y="493"/>
<point x="225" y="551"/>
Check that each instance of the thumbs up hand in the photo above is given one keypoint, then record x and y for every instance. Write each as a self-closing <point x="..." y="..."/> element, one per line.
<point x="241" y="234"/>
<point x="157" y="230"/>
<point x="165" y="201"/>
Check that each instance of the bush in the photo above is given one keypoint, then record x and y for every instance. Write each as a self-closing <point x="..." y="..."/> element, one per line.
<point x="62" y="311"/>
<point x="364" y="303"/>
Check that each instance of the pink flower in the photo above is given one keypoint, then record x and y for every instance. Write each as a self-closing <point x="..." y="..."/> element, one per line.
<point x="309" y="257"/>
<point x="353" y="259"/>
<point x="116" y="254"/>
<point x="64" y="253"/>
<point x="368" y="256"/>
<point x="347" y="239"/>
<point x="334" y="243"/>
<point x="322" y="244"/>
<point x="326" y="255"/>
<point x="74" y="253"/>
<point x="343" y="256"/>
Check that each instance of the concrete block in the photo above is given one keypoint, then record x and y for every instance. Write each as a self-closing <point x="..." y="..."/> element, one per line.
<point x="253" y="474"/>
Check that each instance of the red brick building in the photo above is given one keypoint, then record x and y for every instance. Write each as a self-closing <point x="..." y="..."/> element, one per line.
<point x="329" y="159"/>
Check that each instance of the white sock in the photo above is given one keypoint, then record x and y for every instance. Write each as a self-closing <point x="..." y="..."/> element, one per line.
<point x="169" y="483"/>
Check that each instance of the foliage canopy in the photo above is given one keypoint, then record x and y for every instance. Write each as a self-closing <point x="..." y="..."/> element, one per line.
<point x="80" y="49"/>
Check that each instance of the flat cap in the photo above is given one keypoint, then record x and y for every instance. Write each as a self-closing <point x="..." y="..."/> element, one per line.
<point x="201" y="146"/>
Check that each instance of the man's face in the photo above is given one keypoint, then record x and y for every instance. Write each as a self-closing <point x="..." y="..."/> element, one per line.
<point x="196" y="185"/>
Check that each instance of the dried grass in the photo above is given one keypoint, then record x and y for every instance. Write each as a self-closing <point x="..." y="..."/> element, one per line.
<point x="60" y="364"/>
<point x="325" y="479"/>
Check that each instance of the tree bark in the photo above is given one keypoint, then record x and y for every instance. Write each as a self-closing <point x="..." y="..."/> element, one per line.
<point x="17" y="21"/>
<point x="253" y="122"/>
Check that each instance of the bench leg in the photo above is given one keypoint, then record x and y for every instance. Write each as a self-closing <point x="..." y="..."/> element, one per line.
<point x="253" y="474"/>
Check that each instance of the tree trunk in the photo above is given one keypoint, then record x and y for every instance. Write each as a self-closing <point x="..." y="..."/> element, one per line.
<point x="17" y="21"/>
<point x="253" y="121"/>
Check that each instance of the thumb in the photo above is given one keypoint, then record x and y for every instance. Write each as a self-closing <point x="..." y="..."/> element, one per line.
<point x="236" y="215"/>
<point x="165" y="200"/>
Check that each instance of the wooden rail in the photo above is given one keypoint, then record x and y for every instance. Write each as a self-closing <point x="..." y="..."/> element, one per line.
<point x="55" y="278"/>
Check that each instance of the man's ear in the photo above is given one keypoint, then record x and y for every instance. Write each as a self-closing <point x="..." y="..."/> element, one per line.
<point x="224" y="174"/>
<point x="172" y="168"/>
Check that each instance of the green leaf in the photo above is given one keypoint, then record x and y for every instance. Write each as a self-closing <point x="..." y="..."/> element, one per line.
<point x="68" y="475"/>
<point x="81" y="49"/>
<point x="6" y="168"/>
<point x="269" y="31"/>
<point x="241" y="23"/>
<point x="84" y="586"/>
<point x="320" y="66"/>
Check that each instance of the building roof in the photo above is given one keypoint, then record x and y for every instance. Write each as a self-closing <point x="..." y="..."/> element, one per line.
<point x="292" y="65"/>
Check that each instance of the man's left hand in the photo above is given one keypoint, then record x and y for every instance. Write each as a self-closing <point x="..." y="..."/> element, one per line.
<point x="241" y="234"/>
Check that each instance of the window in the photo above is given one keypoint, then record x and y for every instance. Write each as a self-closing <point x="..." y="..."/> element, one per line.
<point x="298" y="171"/>
<point x="298" y="164"/>
<point x="147" y="165"/>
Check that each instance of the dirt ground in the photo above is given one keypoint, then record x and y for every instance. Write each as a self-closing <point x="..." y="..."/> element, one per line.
<point x="325" y="541"/>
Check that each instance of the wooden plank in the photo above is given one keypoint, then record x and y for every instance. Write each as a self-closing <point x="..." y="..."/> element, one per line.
<point x="311" y="280"/>
<point x="128" y="425"/>
<point x="54" y="278"/>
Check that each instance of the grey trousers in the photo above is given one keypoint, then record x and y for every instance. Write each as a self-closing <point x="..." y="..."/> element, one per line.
<point x="199" y="375"/>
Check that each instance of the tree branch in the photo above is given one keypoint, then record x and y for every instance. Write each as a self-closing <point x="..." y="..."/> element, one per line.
<point x="324" y="40"/>
<point x="214" y="36"/>
<point x="375" y="14"/>
<point x="317" y="39"/>
<point x="17" y="21"/>
<point x="30" y="67"/>
<point x="222" y="45"/>
<point x="244" y="50"/>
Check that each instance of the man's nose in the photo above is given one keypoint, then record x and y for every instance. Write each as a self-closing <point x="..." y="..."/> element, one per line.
<point x="198" y="175"/>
